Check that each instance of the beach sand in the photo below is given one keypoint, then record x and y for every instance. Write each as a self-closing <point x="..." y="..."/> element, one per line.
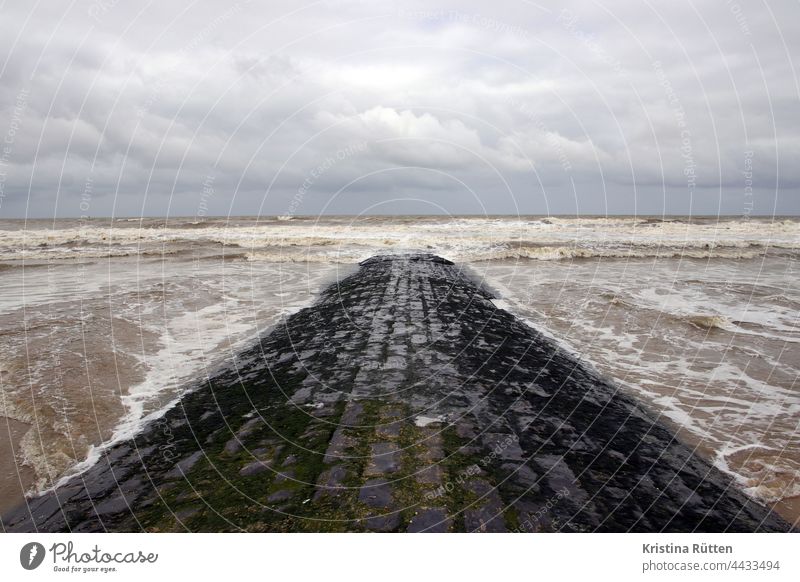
<point x="14" y="479"/>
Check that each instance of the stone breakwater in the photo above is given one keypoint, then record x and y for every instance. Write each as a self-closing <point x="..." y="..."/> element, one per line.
<point x="403" y="400"/>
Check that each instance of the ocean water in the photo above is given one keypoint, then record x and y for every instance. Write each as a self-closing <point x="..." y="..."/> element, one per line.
<point x="104" y="323"/>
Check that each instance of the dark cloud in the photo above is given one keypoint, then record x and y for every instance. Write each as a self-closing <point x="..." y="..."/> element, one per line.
<point x="462" y="107"/>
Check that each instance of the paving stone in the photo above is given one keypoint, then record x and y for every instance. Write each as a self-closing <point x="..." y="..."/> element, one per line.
<point x="113" y="505"/>
<point x="376" y="493"/>
<point x="430" y="475"/>
<point x="385" y="459"/>
<point x="186" y="513"/>
<point x="233" y="446"/>
<point x="329" y="483"/>
<point x="484" y="520"/>
<point x="433" y="520"/>
<point x="389" y="431"/>
<point x="337" y="448"/>
<point x="285" y="475"/>
<point x="383" y="523"/>
<point x="281" y="495"/>
<point x="254" y="468"/>
<point x="352" y="414"/>
<point x="431" y="439"/>
<point x="523" y="477"/>
<point x="185" y="465"/>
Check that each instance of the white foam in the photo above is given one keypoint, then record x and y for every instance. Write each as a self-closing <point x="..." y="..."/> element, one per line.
<point x="423" y="421"/>
<point x="196" y="343"/>
<point x="676" y="334"/>
<point x="459" y="239"/>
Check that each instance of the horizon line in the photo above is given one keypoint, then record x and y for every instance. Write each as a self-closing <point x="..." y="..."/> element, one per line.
<point x="469" y="215"/>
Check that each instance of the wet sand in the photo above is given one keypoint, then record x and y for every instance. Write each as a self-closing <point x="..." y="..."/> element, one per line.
<point x="14" y="479"/>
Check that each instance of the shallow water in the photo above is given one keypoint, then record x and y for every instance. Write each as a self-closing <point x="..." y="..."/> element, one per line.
<point x="711" y="346"/>
<point x="104" y="323"/>
<point x="94" y="350"/>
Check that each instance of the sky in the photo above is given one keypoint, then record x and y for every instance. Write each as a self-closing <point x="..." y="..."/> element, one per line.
<point x="111" y="108"/>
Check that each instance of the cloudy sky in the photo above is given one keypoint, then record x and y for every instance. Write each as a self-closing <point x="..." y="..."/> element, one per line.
<point x="286" y="107"/>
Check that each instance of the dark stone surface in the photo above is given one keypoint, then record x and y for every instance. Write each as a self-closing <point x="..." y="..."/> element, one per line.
<point x="485" y="519"/>
<point x="254" y="468"/>
<point x="281" y="495"/>
<point x="433" y="520"/>
<point x="524" y="433"/>
<point x="383" y="523"/>
<point x="330" y="482"/>
<point x="385" y="459"/>
<point x="376" y="493"/>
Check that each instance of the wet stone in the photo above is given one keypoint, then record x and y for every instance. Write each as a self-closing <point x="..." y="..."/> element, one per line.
<point x="385" y="459"/>
<point x="233" y="446"/>
<point x="326" y="411"/>
<point x="431" y="475"/>
<point x="465" y="428"/>
<point x="165" y="488"/>
<point x="187" y="513"/>
<point x="487" y="519"/>
<point x="522" y="476"/>
<point x="383" y="523"/>
<point x="480" y="488"/>
<point x="392" y="413"/>
<point x="286" y="475"/>
<point x="249" y="427"/>
<point x="190" y="495"/>
<point x="278" y="496"/>
<point x="534" y="517"/>
<point x="89" y="525"/>
<point x="504" y="446"/>
<point x="185" y="465"/>
<point x="42" y="509"/>
<point x="389" y="431"/>
<point x="111" y="506"/>
<point x="329" y="483"/>
<point x="339" y="443"/>
<point x="376" y="493"/>
<point x="432" y="441"/>
<point x="254" y="468"/>
<point x="352" y="414"/>
<point x="561" y="478"/>
<point x="432" y="520"/>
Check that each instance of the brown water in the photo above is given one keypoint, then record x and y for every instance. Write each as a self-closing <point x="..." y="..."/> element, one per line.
<point x="712" y="346"/>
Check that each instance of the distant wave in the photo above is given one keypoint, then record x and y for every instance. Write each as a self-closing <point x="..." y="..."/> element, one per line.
<point x="461" y="239"/>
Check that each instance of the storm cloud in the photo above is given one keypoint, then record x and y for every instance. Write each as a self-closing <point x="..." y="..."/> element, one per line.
<point x="344" y="107"/>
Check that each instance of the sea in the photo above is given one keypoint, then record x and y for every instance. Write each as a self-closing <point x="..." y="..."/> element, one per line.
<point x="104" y="322"/>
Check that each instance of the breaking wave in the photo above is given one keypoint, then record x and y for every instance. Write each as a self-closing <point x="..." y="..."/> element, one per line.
<point x="464" y="239"/>
<point x="710" y="321"/>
